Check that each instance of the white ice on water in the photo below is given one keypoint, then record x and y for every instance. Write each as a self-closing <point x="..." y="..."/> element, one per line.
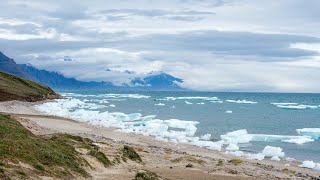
<point x="241" y="101"/>
<point x="242" y="136"/>
<point x="312" y="132"/>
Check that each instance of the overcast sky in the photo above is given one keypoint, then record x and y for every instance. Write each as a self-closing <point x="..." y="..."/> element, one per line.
<point x="214" y="45"/>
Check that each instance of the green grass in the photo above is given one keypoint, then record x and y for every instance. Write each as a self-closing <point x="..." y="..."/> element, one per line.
<point x="146" y="176"/>
<point x="129" y="153"/>
<point x="55" y="156"/>
<point x="15" y="88"/>
<point x="236" y="161"/>
<point x="100" y="157"/>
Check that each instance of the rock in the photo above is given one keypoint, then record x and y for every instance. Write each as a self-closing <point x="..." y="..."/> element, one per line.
<point x="189" y="165"/>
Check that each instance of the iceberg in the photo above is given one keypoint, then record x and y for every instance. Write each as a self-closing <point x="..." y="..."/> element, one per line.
<point x="270" y="151"/>
<point x="228" y="112"/>
<point x="312" y="132"/>
<point x="187" y="102"/>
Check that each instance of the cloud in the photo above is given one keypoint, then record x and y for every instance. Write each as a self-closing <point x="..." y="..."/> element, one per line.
<point x="242" y="45"/>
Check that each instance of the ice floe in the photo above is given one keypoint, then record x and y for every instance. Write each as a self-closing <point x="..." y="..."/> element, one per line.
<point x="228" y="112"/>
<point x="300" y="106"/>
<point x="312" y="132"/>
<point x="242" y="136"/>
<point x="241" y="101"/>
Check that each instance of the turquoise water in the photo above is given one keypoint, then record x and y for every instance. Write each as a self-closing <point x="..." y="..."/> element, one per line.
<point x="261" y="117"/>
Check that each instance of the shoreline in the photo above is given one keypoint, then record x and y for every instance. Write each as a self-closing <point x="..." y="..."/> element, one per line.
<point x="42" y="124"/>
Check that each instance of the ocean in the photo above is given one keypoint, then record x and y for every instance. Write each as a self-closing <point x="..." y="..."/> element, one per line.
<point x="242" y="124"/>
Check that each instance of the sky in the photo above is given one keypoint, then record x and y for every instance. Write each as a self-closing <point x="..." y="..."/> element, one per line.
<point x="214" y="45"/>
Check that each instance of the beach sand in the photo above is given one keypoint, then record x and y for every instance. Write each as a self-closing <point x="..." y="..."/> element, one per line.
<point x="167" y="160"/>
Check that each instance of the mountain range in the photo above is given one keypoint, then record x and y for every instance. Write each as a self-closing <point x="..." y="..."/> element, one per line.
<point x="56" y="80"/>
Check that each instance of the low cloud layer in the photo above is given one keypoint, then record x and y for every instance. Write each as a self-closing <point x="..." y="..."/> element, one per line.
<point x="214" y="45"/>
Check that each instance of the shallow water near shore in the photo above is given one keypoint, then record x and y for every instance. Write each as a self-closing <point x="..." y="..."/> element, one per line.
<point x="260" y="114"/>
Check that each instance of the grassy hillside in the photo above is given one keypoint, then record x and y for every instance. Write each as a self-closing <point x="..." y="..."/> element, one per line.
<point x="24" y="154"/>
<point x="15" y="88"/>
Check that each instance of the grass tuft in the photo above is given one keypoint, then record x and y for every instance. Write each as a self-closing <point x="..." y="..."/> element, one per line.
<point x="146" y="176"/>
<point x="129" y="153"/>
<point x="100" y="157"/>
<point x="236" y="161"/>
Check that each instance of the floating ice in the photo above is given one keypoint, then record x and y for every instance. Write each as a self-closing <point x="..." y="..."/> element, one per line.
<point x="228" y="112"/>
<point x="232" y="147"/>
<point x="159" y="104"/>
<point x="275" y="158"/>
<point x="187" y="102"/>
<point x="206" y="137"/>
<point x="301" y="106"/>
<point x="308" y="164"/>
<point x="189" y="98"/>
<point x="299" y="140"/>
<point x="284" y="103"/>
<point x="201" y="103"/>
<point x="134" y="96"/>
<point x="312" y="132"/>
<point x="112" y="105"/>
<point x="242" y="136"/>
<point x="241" y="101"/>
<point x="235" y="137"/>
<point x="317" y="167"/>
<point x="217" y="101"/>
<point x="270" y="151"/>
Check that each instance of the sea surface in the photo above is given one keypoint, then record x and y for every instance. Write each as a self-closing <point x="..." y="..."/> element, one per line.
<point x="183" y="117"/>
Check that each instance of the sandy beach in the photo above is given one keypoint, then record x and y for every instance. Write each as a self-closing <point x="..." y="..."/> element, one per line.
<point x="167" y="160"/>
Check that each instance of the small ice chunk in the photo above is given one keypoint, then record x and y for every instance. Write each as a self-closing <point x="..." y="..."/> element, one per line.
<point x="308" y="164"/>
<point x="173" y="107"/>
<point x="201" y="103"/>
<point x="317" y="167"/>
<point x="275" y="158"/>
<point x="112" y="105"/>
<point x="187" y="102"/>
<point x="206" y="137"/>
<point x="228" y="112"/>
<point x="235" y="137"/>
<point x="232" y="147"/>
<point x="159" y="104"/>
<point x="270" y="151"/>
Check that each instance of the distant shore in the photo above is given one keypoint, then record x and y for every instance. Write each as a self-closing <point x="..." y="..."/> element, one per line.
<point x="167" y="160"/>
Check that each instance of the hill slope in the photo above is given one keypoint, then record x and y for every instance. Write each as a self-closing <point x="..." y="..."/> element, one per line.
<point x="9" y="65"/>
<point x="15" y="88"/>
